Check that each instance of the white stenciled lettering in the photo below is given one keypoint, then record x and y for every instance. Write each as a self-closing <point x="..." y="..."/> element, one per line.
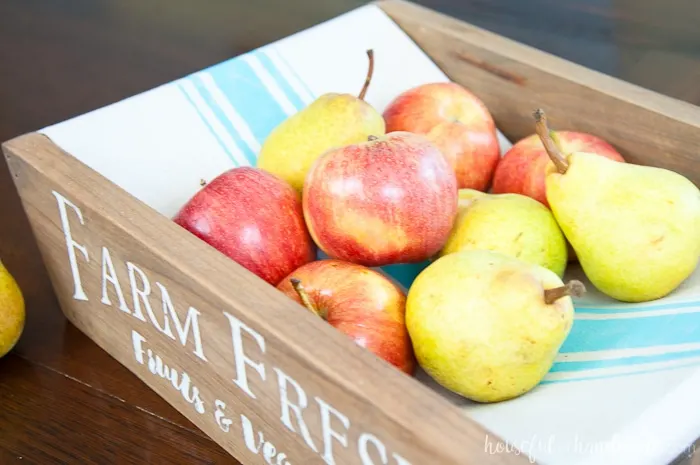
<point x="362" y="443"/>
<point x="258" y="444"/>
<point x="400" y="460"/>
<point x="182" y="330"/>
<point x="240" y="358"/>
<point x="281" y="459"/>
<point x="78" y="293"/>
<point x="137" y="340"/>
<point x="249" y="439"/>
<point x="179" y="381"/>
<point x="269" y="452"/>
<point x="220" y="417"/>
<point x="328" y="433"/>
<point x="109" y="275"/>
<point x="287" y="406"/>
<point x="139" y="296"/>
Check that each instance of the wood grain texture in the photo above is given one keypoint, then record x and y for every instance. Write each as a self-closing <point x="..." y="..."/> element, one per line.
<point x="48" y="427"/>
<point x="48" y="339"/>
<point x="376" y="398"/>
<point x="514" y="79"/>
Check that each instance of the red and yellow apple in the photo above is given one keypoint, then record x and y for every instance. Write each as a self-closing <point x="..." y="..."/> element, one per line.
<point x="392" y="199"/>
<point x="253" y="217"/>
<point x="360" y="302"/>
<point x="522" y="168"/>
<point x="457" y="122"/>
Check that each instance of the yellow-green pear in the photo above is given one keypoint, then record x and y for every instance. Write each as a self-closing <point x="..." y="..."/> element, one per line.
<point x="635" y="229"/>
<point x="512" y="224"/>
<point x="486" y="325"/>
<point x="332" y="120"/>
<point x="12" y="311"/>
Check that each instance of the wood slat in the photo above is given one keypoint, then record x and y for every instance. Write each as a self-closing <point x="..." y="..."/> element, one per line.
<point x="514" y="79"/>
<point x="48" y="339"/>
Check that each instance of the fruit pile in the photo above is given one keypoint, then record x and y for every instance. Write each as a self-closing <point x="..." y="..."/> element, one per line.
<point x="425" y="182"/>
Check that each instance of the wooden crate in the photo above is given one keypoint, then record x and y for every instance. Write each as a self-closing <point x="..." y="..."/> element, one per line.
<point x="261" y="376"/>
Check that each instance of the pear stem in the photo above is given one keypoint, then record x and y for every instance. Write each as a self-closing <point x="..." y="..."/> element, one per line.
<point x="370" y="71"/>
<point x="573" y="288"/>
<point x="549" y="142"/>
<point x="305" y="299"/>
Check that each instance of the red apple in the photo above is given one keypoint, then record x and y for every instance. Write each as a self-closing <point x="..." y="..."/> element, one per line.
<point x="359" y="302"/>
<point x="457" y="122"/>
<point x="522" y="168"/>
<point x="253" y="217"/>
<point x="392" y="199"/>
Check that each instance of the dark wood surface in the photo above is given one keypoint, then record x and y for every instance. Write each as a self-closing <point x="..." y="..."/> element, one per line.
<point x="64" y="400"/>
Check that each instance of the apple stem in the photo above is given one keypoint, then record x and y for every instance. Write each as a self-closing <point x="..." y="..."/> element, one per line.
<point x="573" y="288"/>
<point x="549" y="142"/>
<point x="304" y="296"/>
<point x="555" y="139"/>
<point x="370" y="71"/>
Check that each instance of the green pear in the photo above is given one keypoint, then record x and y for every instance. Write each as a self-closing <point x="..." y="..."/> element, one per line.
<point x="512" y="224"/>
<point x="332" y="120"/>
<point x="635" y="229"/>
<point x="486" y="325"/>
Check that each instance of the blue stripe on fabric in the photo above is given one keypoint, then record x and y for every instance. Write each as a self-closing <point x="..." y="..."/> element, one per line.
<point x="281" y="81"/>
<point x="621" y="362"/>
<point x="627" y="333"/>
<point x="221" y="116"/>
<point x="669" y="306"/>
<point x="296" y="75"/>
<point x="206" y="123"/>
<point x="249" y="96"/>
<point x="619" y="375"/>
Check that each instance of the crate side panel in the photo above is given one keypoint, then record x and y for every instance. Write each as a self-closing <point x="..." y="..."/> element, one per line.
<point x="247" y="362"/>
<point x="514" y="79"/>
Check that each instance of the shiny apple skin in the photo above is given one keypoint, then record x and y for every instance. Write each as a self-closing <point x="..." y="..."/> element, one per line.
<point x="387" y="201"/>
<point x="253" y="217"/>
<point x="455" y="120"/>
<point x="522" y="168"/>
<point x="362" y="304"/>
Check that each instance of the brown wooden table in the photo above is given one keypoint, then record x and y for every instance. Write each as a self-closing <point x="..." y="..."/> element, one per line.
<point x="64" y="400"/>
